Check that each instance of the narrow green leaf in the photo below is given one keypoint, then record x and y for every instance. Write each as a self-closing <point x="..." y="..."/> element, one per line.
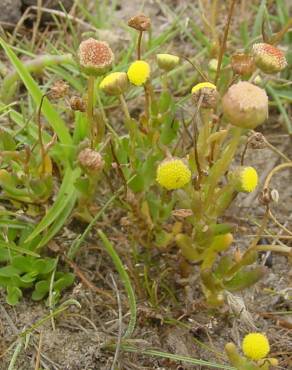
<point x="66" y="192"/>
<point x="175" y="357"/>
<point x="17" y="249"/>
<point x="48" y="110"/>
<point x="126" y="280"/>
<point x="281" y="108"/>
<point x="60" y="221"/>
<point x="257" y="28"/>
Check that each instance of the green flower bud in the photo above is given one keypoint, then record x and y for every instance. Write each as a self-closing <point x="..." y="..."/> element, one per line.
<point x="167" y="62"/>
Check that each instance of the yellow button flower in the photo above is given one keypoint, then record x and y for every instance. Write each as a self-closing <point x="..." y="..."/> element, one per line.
<point x="203" y="85"/>
<point x="249" y="179"/>
<point x="244" y="179"/>
<point x="255" y="346"/>
<point x="139" y="72"/>
<point x="173" y="174"/>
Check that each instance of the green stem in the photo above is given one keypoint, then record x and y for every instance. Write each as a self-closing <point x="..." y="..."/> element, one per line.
<point x="125" y="108"/>
<point x="89" y="110"/>
<point x="221" y="166"/>
<point x="15" y="355"/>
<point x="125" y="279"/>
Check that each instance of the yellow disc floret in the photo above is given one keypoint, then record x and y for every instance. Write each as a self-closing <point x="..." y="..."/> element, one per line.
<point x="173" y="174"/>
<point x="139" y="72"/>
<point x="255" y="346"/>
<point x="249" y="179"/>
<point x="203" y="85"/>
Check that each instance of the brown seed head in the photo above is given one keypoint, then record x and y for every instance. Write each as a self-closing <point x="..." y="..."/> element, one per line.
<point x="58" y="90"/>
<point x="90" y="160"/>
<point x="242" y="64"/>
<point x="257" y="141"/>
<point x="140" y="22"/>
<point x="77" y="104"/>
<point x="269" y="58"/>
<point x="245" y="105"/>
<point x="95" y="57"/>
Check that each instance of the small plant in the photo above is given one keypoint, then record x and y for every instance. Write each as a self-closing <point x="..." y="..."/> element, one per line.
<point x="172" y="177"/>
<point x="255" y="347"/>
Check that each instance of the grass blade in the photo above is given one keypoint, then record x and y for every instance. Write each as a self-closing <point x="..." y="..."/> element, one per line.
<point x="48" y="110"/>
<point x="281" y="108"/>
<point x="126" y="281"/>
<point x="60" y="221"/>
<point x="186" y="359"/>
<point x="66" y="192"/>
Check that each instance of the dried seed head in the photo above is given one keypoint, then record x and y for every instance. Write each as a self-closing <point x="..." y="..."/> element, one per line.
<point x="257" y="141"/>
<point x="269" y="58"/>
<point x="167" y="62"/>
<point x="115" y="83"/>
<point x="77" y="104"/>
<point x="90" y="160"/>
<point x="245" y="105"/>
<point x="140" y="22"/>
<point x="95" y="57"/>
<point x="265" y="197"/>
<point x="58" y="90"/>
<point x="205" y="92"/>
<point x="242" y="64"/>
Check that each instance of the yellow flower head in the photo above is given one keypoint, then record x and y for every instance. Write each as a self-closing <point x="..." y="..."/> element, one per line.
<point x="115" y="83"/>
<point x="255" y="346"/>
<point x="203" y="85"/>
<point x="249" y="179"/>
<point x="173" y="174"/>
<point x="206" y="93"/>
<point x="139" y="72"/>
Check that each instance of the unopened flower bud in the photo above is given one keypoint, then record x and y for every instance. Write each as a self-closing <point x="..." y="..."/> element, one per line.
<point x="95" y="57"/>
<point x="244" y="179"/>
<point x="213" y="64"/>
<point x="205" y="92"/>
<point x="242" y="64"/>
<point x="90" y="160"/>
<point x="258" y="80"/>
<point x="58" y="90"/>
<point x="77" y="104"/>
<point x="269" y="58"/>
<point x="245" y="105"/>
<point x="140" y="22"/>
<point x="115" y="83"/>
<point x="167" y="62"/>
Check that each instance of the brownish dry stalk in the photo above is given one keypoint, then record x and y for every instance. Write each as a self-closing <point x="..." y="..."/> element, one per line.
<point x="224" y="41"/>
